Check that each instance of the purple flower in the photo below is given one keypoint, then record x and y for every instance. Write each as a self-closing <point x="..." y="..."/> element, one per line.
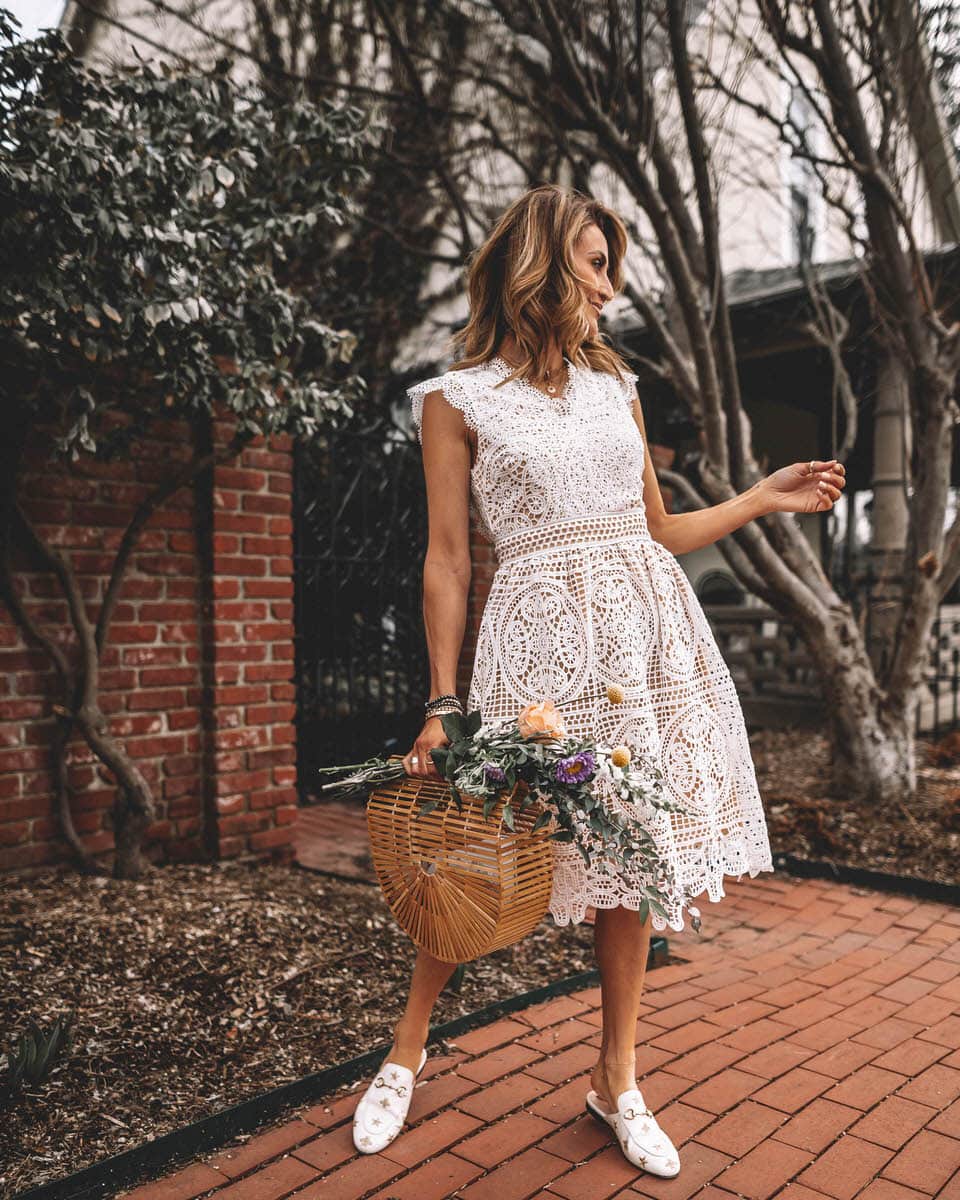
<point x="578" y="768"/>
<point x="494" y="774"/>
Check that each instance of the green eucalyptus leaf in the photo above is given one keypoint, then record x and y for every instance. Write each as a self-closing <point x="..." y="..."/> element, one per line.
<point x="454" y="726"/>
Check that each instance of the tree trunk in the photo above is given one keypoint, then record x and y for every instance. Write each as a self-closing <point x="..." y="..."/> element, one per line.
<point x="130" y="824"/>
<point x="133" y="808"/>
<point x="873" y="756"/>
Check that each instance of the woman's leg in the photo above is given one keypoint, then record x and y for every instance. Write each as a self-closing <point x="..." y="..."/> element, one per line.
<point x="621" y="945"/>
<point x="410" y="1032"/>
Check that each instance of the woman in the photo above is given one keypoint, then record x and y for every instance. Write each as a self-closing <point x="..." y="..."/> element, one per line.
<point x="538" y="430"/>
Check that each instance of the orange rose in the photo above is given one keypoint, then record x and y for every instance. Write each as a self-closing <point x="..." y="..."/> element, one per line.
<point x="541" y="722"/>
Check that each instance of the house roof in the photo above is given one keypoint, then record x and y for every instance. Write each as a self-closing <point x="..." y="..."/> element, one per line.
<point x="782" y="291"/>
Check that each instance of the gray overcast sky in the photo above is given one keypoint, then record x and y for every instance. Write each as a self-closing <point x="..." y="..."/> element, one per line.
<point x="34" y="15"/>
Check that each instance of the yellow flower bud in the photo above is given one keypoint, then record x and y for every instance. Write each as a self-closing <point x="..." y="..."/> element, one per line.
<point x="615" y="693"/>
<point x="620" y="756"/>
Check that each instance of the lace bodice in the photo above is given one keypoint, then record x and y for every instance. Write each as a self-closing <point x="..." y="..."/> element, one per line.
<point x="540" y="458"/>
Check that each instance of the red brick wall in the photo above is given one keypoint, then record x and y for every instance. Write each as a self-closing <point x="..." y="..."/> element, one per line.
<point x="197" y="670"/>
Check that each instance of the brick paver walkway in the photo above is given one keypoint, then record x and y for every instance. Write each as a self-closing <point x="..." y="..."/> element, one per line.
<point x="332" y="837"/>
<point x="809" y="1047"/>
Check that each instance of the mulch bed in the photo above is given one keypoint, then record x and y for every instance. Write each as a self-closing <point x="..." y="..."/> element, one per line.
<point x="920" y="838"/>
<point x="204" y="985"/>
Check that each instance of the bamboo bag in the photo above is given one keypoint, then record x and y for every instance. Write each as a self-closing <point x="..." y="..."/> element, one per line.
<point x="460" y="885"/>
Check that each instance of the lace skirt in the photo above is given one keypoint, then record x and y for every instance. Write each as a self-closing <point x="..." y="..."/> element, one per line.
<point x="591" y="602"/>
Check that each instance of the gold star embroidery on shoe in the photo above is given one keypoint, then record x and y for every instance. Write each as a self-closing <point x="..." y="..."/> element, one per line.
<point x="364" y="1141"/>
<point x="394" y="1076"/>
<point x="376" y="1121"/>
<point x="384" y="1103"/>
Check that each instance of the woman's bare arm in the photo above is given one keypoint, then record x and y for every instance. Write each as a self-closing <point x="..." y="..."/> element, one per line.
<point x="446" y="565"/>
<point x="790" y="489"/>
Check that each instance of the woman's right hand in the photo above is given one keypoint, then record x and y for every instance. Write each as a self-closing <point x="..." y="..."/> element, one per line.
<point x="430" y="737"/>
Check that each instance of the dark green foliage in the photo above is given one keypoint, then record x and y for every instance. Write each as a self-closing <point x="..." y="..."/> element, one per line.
<point x="151" y="227"/>
<point x="34" y="1056"/>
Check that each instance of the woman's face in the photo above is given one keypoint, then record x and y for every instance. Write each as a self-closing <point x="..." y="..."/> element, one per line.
<point x="592" y="262"/>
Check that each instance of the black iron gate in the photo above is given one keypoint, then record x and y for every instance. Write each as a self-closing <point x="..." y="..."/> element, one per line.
<point x="360" y="535"/>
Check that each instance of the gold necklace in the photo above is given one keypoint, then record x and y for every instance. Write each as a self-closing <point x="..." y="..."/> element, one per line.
<point x="548" y="375"/>
<point x="551" y="387"/>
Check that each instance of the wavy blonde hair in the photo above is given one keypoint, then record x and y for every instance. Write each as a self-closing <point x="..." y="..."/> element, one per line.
<point x="523" y="280"/>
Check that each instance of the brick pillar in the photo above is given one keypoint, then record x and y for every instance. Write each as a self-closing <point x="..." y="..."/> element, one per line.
<point x="248" y="653"/>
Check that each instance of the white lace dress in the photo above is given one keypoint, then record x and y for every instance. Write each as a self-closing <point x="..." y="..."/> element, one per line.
<point x="583" y="597"/>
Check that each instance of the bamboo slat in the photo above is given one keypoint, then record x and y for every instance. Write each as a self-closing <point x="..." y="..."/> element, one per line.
<point x="458" y="884"/>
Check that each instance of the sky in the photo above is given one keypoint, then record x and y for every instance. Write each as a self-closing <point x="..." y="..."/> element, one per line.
<point x="34" y="15"/>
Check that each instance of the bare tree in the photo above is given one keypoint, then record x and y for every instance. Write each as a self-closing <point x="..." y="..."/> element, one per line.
<point x="619" y="88"/>
<point x="486" y="98"/>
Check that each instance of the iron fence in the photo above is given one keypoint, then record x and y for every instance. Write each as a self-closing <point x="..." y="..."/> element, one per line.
<point x="942" y="677"/>
<point x="360" y="535"/>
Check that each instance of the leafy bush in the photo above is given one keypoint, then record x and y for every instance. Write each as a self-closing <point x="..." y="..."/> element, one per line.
<point x="150" y="227"/>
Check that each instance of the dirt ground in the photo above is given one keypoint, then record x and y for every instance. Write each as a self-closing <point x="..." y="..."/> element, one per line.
<point x="920" y="837"/>
<point x="203" y="985"/>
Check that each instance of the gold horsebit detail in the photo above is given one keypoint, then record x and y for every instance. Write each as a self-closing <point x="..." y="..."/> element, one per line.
<point x="630" y="1115"/>
<point x="381" y="1082"/>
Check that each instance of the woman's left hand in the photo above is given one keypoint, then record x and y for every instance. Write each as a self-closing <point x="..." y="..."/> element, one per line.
<point x="797" y="489"/>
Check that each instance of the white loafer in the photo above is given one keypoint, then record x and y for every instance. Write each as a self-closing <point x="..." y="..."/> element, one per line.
<point x="641" y="1139"/>
<point x="383" y="1107"/>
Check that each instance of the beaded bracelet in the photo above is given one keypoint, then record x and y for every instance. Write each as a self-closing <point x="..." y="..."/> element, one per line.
<point x="441" y="701"/>
<point x="442" y="712"/>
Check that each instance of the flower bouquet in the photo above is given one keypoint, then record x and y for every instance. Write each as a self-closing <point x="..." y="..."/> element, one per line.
<point x="535" y="762"/>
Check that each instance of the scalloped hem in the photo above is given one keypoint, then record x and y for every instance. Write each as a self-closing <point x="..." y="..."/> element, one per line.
<point x="575" y="915"/>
